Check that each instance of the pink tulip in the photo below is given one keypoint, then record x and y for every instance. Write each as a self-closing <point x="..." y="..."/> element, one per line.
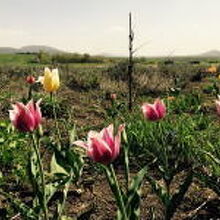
<point x="30" y="79"/>
<point x="103" y="147"/>
<point x="154" y="112"/>
<point x="217" y="103"/>
<point x="26" y="118"/>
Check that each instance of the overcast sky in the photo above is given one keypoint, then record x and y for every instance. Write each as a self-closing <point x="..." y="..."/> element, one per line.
<point x="165" y="27"/>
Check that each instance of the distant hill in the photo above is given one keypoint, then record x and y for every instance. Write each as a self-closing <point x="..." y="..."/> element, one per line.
<point x="30" y="49"/>
<point x="7" y="50"/>
<point x="211" y="53"/>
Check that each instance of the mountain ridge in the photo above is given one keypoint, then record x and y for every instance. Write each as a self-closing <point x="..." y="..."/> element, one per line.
<point x="30" y="49"/>
<point x="211" y="53"/>
<point x="53" y="50"/>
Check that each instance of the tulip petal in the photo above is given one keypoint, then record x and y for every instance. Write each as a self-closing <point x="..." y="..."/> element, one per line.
<point x="48" y="86"/>
<point x="107" y="135"/>
<point x="93" y="134"/>
<point x="13" y="113"/>
<point x="160" y="108"/>
<point x="102" y="147"/>
<point x="35" y="111"/>
<point x="55" y="79"/>
<point x="99" y="151"/>
<point x="81" y="144"/>
<point x="24" y="120"/>
<point x="37" y="114"/>
<point x="154" y="111"/>
<point x="116" y="151"/>
<point x="149" y="111"/>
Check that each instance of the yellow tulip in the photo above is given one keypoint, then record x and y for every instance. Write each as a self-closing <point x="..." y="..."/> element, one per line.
<point x="51" y="80"/>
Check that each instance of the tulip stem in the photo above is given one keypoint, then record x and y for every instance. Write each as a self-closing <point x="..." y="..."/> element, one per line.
<point x="30" y="92"/>
<point x="40" y="164"/>
<point x="51" y="96"/>
<point x="127" y="169"/>
<point x="55" y="118"/>
<point x="164" y="151"/>
<point x="65" y="192"/>
<point x="113" y="182"/>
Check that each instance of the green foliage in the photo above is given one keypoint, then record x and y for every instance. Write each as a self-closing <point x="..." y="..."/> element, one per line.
<point x="116" y="109"/>
<point x="161" y="143"/>
<point x="212" y="88"/>
<point x="48" y="105"/>
<point x="14" y="149"/>
<point x="128" y="202"/>
<point x="178" y="143"/>
<point x="16" y="59"/>
<point x="181" y="73"/>
<point x="43" y="58"/>
<point x="119" y="71"/>
<point x="84" y="80"/>
<point x="171" y="202"/>
<point x="132" y="199"/>
<point x="76" y="58"/>
<point x="65" y="168"/>
<point x="168" y="148"/>
<point x="185" y="103"/>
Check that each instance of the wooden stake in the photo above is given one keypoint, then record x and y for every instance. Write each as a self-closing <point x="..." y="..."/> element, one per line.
<point x="130" y="63"/>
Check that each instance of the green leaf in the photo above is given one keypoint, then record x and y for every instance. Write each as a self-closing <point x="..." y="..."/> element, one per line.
<point x="75" y="162"/>
<point x="34" y="177"/>
<point x="34" y="172"/>
<point x="72" y="135"/>
<point x="134" y="195"/>
<point x="53" y="187"/>
<point x="70" y="160"/>
<point x="116" y="190"/>
<point x="159" y="190"/>
<point x="2" y="140"/>
<point x="215" y="159"/>
<point x="55" y="168"/>
<point x="62" y="202"/>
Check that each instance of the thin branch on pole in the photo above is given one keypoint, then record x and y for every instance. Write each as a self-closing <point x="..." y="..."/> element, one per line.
<point x="141" y="46"/>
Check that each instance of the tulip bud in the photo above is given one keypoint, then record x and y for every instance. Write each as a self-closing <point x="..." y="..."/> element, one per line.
<point x="30" y="79"/>
<point x="103" y="147"/>
<point x="26" y="118"/>
<point x="113" y="96"/>
<point x="154" y="112"/>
